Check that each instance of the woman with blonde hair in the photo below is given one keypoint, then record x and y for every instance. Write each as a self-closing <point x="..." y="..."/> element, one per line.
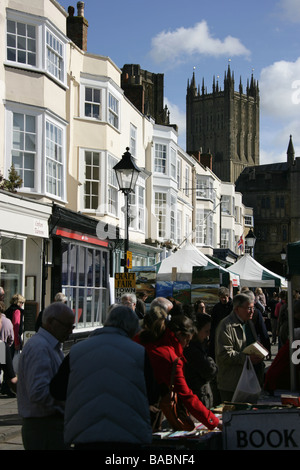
<point x="260" y="296"/>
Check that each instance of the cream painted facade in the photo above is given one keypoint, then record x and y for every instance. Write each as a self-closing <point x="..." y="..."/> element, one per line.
<point x="65" y="122"/>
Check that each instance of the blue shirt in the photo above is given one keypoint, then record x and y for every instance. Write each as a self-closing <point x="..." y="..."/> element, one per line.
<point x="39" y="362"/>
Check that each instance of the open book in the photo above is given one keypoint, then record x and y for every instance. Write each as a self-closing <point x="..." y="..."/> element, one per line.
<point x="256" y="348"/>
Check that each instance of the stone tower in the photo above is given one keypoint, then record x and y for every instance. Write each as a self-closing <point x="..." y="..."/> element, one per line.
<point x="146" y="91"/>
<point x="224" y="123"/>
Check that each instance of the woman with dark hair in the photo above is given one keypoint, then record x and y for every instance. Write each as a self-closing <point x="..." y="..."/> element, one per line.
<point x="165" y="340"/>
<point x="15" y="313"/>
<point x="200" y="368"/>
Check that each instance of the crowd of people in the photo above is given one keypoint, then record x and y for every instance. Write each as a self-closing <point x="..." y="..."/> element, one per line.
<point x="105" y="392"/>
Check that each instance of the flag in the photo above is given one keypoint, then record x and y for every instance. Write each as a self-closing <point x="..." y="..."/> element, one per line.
<point x="240" y="243"/>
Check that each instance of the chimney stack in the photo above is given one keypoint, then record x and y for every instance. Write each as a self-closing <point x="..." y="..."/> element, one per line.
<point x="77" y="26"/>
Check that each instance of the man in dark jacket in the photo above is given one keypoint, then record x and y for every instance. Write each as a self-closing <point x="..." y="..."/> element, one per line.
<point x="219" y="311"/>
<point x="103" y="381"/>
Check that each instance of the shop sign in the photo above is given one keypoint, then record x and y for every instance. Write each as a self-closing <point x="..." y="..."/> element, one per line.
<point x="261" y="430"/>
<point x="124" y="284"/>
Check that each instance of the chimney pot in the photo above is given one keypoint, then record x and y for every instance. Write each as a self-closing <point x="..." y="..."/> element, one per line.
<point x="80" y="8"/>
<point x="71" y="11"/>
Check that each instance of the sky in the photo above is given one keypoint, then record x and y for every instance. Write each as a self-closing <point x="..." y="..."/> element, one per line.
<point x="179" y="38"/>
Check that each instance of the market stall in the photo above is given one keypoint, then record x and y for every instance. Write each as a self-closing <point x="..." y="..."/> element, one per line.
<point x="253" y="274"/>
<point x="188" y="274"/>
<point x="183" y="261"/>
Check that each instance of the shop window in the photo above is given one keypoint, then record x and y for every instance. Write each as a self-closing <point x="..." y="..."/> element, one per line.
<point x="12" y="265"/>
<point x="85" y="273"/>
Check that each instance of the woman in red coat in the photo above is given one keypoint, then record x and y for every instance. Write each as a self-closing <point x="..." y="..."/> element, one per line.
<point x="164" y="341"/>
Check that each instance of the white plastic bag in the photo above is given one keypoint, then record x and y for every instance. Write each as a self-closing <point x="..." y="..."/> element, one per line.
<point x="248" y="388"/>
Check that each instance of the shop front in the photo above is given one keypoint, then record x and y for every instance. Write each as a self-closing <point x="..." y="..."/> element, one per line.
<point x="80" y="267"/>
<point x="23" y="234"/>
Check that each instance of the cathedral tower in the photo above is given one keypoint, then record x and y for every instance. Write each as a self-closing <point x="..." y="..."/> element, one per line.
<point x="224" y="123"/>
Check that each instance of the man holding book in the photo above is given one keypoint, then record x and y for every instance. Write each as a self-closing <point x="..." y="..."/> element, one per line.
<point x="234" y="334"/>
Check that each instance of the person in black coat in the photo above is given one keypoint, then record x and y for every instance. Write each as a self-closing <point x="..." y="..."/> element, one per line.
<point x="221" y="310"/>
<point x="200" y="369"/>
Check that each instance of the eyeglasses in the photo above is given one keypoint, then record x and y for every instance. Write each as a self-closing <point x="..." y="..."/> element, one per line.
<point x="250" y="309"/>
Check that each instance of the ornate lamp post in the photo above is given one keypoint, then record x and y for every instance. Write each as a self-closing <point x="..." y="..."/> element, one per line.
<point x="127" y="173"/>
<point x="250" y="240"/>
<point x="283" y="257"/>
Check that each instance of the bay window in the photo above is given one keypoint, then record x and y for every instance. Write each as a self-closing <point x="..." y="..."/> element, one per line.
<point x="36" y="147"/>
<point x="32" y="42"/>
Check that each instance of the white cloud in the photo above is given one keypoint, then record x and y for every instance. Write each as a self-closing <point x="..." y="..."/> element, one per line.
<point x="291" y="10"/>
<point x="279" y="86"/>
<point x="176" y="46"/>
<point x="177" y="117"/>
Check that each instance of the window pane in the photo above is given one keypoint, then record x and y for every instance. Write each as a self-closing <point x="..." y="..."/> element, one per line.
<point x="96" y="95"/>
<point x="88" y="94"/>
<point x="28" y="179"/>
<point x="11" y="26"/>
<point x="18" y="121"/>
<point x="30" y="31"/>
<point x="29" y="161"/>
<point x="21" y="29"/>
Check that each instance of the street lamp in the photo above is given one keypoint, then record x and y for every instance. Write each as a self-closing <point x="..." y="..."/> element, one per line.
<point x="127" y="173"/>
<point x="283" y="258"/>
<point x="283" y="254"/>
<point x="250" y="240"/>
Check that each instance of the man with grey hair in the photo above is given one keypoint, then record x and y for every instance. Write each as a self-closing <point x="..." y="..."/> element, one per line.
<point x="103" y="381"/>
<point x="162" y="302"/>
<point x="42" y="425"/>
<point x="233" y="334"/>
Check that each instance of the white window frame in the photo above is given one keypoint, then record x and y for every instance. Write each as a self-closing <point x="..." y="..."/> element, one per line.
<point x="204" y="227"/>
<point x="133" y="139"/>
<point x="113" y="110"/>
<point x="226" y="204"/>
<point x="54" y="158"/>
<point x="29" y="139"/>
<point x="248" y="220"/>
<point x="178" y="174"/>
<point x="112" y="186"/>
<point x="137" y="207"/>
<point x="225" y="238"/>
<point x="160" y="208"/>
<point x="55" y="55"/>
<point x="173" y="213"/>
<point x="106" y="88"/>
<point x="93" y="103"/>
<point x="187" y="180"/>
<point x="179" y="226"/>
<point x="41" y="117"/>
<point x="92" y="181"/>
<point x="42" y="26"/>
<point x="160" y="158"/>
<point x="173" y="161"/>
